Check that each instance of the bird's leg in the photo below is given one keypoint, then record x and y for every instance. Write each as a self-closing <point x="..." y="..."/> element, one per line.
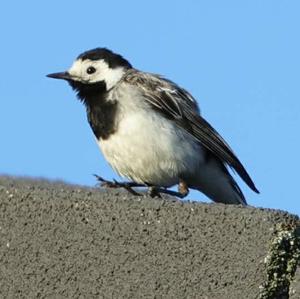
<point x="183" y="188"/>
<point x="115" y="184"/>
<point x="169" y="192"/>
<point x="155" y="191"/>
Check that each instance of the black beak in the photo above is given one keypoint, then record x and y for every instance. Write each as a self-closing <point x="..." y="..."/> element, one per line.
<point x="61" y="75"/>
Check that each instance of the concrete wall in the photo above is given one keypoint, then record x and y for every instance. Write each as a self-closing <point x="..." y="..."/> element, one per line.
<point x="61" y="241"/>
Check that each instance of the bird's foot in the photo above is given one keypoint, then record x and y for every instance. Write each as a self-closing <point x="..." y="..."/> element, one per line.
<point x="153" y="191"/>
<point x="183" y="188"/>
<point x="169" y="192"/>
<point x="115" y="184"/>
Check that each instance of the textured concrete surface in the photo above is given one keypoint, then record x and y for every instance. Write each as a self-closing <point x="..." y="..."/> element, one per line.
<point x="61" y="241"/>
<point x="295" y="285"/>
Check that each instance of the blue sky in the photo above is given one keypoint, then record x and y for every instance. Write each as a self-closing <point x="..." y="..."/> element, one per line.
<point x="240" y="60"/>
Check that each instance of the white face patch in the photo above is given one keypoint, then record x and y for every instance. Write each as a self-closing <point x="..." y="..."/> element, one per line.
<point x="79" y="72"/>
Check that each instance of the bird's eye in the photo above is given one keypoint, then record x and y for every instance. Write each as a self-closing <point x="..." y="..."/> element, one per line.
<point x="90" y="70"/>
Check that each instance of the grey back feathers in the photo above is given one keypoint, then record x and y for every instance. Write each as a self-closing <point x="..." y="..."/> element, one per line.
<point x="178" y="105"/>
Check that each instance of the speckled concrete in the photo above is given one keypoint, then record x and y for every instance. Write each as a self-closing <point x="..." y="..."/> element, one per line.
<point x="295" y="286"/>
<point x="62" y="241"/>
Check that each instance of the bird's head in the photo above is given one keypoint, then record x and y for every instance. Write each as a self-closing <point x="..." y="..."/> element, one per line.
<point x="94" y="71"/>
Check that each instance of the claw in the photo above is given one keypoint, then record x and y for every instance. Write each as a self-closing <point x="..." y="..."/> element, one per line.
<point x="115" y="184"/>
<point x="154" y="192"/>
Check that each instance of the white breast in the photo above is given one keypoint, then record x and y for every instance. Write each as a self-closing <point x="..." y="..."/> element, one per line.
<point x="147" y="148"/>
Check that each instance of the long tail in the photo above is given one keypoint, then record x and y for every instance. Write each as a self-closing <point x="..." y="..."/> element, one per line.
<point x="215" y="181"/>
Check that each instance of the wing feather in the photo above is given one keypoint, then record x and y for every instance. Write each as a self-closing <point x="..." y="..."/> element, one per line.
<point x="177" y="104"/>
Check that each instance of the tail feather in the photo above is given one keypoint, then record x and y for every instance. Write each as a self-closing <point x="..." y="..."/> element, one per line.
<point x="215" y="181"/>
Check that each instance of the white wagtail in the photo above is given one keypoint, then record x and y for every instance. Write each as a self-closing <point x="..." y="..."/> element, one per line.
<point x="150" y="130"/>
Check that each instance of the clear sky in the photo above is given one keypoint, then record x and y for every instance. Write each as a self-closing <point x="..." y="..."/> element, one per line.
<point x="240" y="60"/>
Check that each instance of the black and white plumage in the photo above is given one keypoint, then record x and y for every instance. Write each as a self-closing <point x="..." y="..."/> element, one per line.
<point x="150" y="130"/>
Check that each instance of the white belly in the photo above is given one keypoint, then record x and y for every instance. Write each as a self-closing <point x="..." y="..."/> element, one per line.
<point x="149" y="149"/>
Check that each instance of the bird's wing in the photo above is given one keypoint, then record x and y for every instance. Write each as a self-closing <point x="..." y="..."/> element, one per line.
<point x="178" y="105"/>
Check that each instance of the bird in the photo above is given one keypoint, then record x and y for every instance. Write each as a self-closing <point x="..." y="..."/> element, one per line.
<point x="151" y="131"/>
